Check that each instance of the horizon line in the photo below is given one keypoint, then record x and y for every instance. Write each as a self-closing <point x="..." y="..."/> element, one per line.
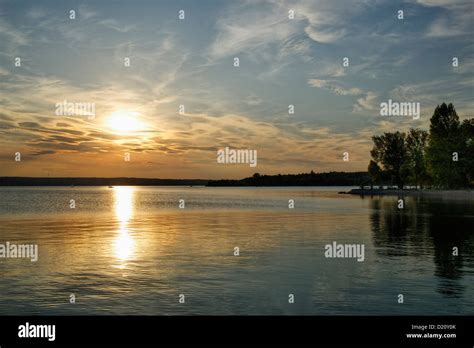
<point x="144" y="178"/>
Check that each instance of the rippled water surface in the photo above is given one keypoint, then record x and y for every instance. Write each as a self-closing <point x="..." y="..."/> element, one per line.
<point x="132" y="250"/>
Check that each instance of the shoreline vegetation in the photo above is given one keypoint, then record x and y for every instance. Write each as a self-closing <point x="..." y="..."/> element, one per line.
<point x="92" y="181"/>
<point x="441" y="158"/>
<point x="434" y="193"/>
<point x="305" y="179"/>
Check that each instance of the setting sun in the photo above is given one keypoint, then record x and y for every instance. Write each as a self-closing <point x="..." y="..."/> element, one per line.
<point x="123" y="122"/>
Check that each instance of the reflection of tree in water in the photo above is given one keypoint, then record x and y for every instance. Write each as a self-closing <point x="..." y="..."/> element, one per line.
<point x="426" y="227"/>
<point x="450" y="226"/>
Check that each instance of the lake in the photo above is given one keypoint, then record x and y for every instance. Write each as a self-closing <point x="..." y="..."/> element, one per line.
<point x="133" y="250"/>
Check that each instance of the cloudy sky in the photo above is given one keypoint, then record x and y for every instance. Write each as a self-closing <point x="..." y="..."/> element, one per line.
<point x="190" y="62"/>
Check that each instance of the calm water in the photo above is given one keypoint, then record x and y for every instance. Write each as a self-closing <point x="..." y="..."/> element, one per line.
<point x="131" y="250"/>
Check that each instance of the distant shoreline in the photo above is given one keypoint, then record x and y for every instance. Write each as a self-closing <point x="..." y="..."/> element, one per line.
<point x="457" y="194"/>
<point x="123" y="181"/>
<point x="333" y="179"/>
<point x="257" y="180"/>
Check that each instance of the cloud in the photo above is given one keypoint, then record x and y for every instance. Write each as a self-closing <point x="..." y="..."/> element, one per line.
<point x="253" y="100"/>
<point x="446" y="27"/>
<point x="249" y="28"/>
<point x="115" y="25"/>
<point x="6" y="125"/>
<point x="42" y="153"/>
<point x="327" y="21"/>
<point x="12" y="38"/>
<point x="443" y="3"/>
<point x="334" y="87"/>
<point x="324" y="36"/>
<point x="62" y="124"/>
<point x="332" y="70"/>
<point x="431" y="93"/>
<point x="255" y="27"/>
<point x="36" y="13"/>
<point x="368" y="102"/>
<point x="86" y="12"/>
<point x="456" y="19"/>
<point x="33" y="125"/>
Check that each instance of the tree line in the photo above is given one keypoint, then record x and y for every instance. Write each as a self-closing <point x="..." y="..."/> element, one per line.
<point x="51" y="181"/>
<point x="302" y="179"/>
<point x="440" y="158"/>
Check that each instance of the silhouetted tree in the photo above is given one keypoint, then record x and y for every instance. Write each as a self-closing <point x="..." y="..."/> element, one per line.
<point x="445" y="156"/>
<point x="444" y="142"/>
<point x="375" y="173"/>
<point x="466" y="152"/>
<point x="416" y="165"/>
<point x="390" y="151"/>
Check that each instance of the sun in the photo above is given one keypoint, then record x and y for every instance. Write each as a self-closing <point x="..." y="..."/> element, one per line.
<point x="124" y="122"/>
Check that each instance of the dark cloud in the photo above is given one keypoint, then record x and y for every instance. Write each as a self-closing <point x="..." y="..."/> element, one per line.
<point x="105" y="136"/>
<point x="62" y="146"/>
<point x="33" y="125"/>
<point x="5" y="117"/>
<point x="71" y="131"/>
<point x="199" y="148"/>
<point x="61" y="138"/>
<point x="6" y="125"/>
<point x="44" y="152"/>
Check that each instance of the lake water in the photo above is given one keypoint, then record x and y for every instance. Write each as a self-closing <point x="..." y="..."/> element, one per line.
<point x="132" y="250"/>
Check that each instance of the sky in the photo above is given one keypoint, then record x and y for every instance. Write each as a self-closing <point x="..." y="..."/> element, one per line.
<point x="137" y="128"/>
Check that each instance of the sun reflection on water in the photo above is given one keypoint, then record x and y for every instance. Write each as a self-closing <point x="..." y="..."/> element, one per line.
<point x="124" y="243"/>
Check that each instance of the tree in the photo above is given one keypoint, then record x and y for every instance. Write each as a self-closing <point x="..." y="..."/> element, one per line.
<point x="466" y="152"/>
<point x="444" y="156"/>
<point x="416" y="165"/>
<point x="444" y="142"/>
<point x="390" y="151"/>
<point x="375" y="173"/>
